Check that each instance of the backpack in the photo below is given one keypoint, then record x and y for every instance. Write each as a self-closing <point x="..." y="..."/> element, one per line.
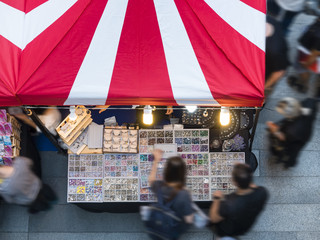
<point x="162" y="221"/>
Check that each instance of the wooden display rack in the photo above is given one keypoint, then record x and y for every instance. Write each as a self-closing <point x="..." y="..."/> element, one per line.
<point x="70" y="130"/>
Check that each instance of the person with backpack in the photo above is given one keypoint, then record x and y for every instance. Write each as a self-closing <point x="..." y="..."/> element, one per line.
<point x="171" y="216"/>
<point x="233" y="215"/>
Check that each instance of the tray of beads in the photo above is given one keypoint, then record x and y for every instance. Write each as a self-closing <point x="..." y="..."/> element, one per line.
<point x="85" y="166"/>
<point x="199" y="188"/>
<point x="147" y="138"/>
<point x="192" y="140"/>
<point x="85" y="190"/>
<point x="221" y="166"/>
<point x="223" y="184"/>
<point x="146" y="195"/>
<point x="121" y="165"/>
<point x="222" y="163"/>
<point x="121" y="189"/>
<point x="197" y="164"/>
<point x="146" y="161"/>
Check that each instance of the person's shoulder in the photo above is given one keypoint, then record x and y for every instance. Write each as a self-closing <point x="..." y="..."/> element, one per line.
<point x="262" y="192"/>
<point x="183" y="195"/>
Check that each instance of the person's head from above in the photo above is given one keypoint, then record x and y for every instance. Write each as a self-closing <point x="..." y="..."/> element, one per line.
<point x="289" y="107"/>
<point x="242" y="175"/>
<point x="175" y="172"/>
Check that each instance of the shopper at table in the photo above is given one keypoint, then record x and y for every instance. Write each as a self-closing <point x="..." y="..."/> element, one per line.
<point x="172" y="188"/>
<point x="19" y="185"/>
<point x="290" y="135"/>
<point x="232" y="215"/>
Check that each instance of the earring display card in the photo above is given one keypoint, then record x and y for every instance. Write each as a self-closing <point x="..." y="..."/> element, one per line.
<point x="85" y="166"/>
<point x="197" y="164"/>
<point x="199" y="188"/>
<point x="120" y="140"/>
<point x="146" y="161"/>
<point x="150" y="137"/>
<point x="85" y="190"/>
<point x="192" y="140"/>
<point x="121" y="189"/>
<point x="221" y="170"/>
<point x="121" y="165"/>
<point x="146" y="195"/>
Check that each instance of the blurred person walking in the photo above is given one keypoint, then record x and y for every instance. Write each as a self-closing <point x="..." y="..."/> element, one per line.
<point x="173" y="213"/>
<point x="19" y="185"/>
<point x="285" y="11"/>
<point x="290" y="135"/>
<point x="233" y="215"/>
<point x="276" y="55"/>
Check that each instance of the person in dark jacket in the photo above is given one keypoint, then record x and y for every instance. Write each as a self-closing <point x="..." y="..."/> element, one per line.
<point x="233" y="215"/>
<point x="290" y="135"/>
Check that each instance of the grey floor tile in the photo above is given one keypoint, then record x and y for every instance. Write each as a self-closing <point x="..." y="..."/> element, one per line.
<point x="13" y="219"/>
<point x="291" y="190"/>
<point x="308" y="235"/>
<point x="59" y="186"/>
<point x="14" y="236"/>
<point x="86" y="236"/>
<point x="270" y="236"/>
<point x="204" y="235"/>
<point x="289" y="218"/>
<point x="70" y="218"/>
<point x="308" y="165"/>
<point x="53" y="164"/>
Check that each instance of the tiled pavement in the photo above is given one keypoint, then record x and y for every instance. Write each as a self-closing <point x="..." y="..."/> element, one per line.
<point x="292" y="212"/>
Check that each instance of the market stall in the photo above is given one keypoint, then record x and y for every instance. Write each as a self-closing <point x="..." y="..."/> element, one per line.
<point x="205" y="53"/>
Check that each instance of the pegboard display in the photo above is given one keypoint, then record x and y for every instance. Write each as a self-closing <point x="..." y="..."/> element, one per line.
<point x="197" y="164"/>
<point x="199" y="188"/>
<point x="121" y="189"/>
<point x="192" y="140"/>
<point x="85" y="166"/>
<point x="121" y="165"/>
<point x="147" y="138"/>
<point x="85" y="190"/>
<point x="221" y="165"/>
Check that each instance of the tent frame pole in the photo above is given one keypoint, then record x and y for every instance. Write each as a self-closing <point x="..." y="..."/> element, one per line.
<point x="256" y="118"/>
<point x="53" y="139"/>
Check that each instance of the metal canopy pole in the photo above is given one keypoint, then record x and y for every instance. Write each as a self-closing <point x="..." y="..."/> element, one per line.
<point x="256" y="118"/>
<point x="53" y="139"/>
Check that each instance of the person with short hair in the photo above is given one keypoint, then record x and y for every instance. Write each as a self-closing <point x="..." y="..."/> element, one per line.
<point x="233" y="215"/>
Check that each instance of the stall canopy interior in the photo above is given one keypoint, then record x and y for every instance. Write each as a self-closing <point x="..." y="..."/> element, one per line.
<point x="132" y="52"/>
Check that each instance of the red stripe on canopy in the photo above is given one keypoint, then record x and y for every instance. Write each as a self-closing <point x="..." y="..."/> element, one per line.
<point x="243" y="54"/>
<point x="24" y="5"/>
<point x="140" y="73"/>
<point x="53" y="80"/>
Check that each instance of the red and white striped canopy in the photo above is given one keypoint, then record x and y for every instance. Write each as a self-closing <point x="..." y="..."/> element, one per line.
<point x="132" y="52"/>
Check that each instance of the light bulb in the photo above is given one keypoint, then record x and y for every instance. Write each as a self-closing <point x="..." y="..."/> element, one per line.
<point x="191" y="109"/>
<point x="224" y="116"/>
<point x="73" y="116"/>
<point x="147" y="115"/>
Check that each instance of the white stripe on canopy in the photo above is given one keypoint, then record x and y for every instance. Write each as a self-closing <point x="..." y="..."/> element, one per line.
<point x="188" y="83"/>
<point x="91" y="86"/>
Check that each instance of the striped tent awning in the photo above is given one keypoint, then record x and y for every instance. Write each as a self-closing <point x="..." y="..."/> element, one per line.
<point x="132" y="52"/>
